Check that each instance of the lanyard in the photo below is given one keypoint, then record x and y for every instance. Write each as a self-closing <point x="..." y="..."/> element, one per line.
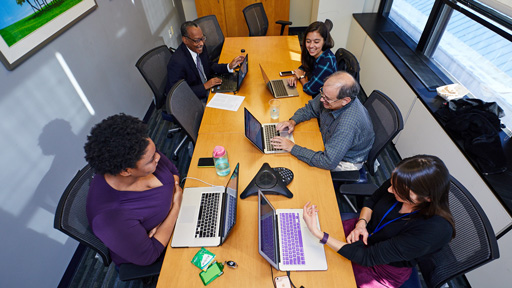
<point x="378" y="228"/>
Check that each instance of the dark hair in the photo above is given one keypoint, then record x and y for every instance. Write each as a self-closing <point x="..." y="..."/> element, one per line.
<point x="347" y="88"/>
<point x="429" y="179"/>
<point x="308" y="61"/>
<point x="185" y="26"/>
<point x="116" y="143"/>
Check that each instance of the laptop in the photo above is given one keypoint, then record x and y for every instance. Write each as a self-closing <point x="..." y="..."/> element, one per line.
<point x="285" y="241"/>
<point x="207" y="215"/>
<point x="231" y="82"/>
<point x="260" y="134"/>
<point x="279" y="88"/>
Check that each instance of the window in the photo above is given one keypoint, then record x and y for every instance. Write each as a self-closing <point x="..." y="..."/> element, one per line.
<point x="411" y="16"/>
<point x="470" y="53"/>
<point x="479" y="59"/>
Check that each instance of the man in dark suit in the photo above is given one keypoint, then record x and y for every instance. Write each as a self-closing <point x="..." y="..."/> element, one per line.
<point x="191" y="62"/>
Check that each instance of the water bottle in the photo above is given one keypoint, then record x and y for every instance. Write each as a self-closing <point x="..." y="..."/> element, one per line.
<point x="220" y="157"/>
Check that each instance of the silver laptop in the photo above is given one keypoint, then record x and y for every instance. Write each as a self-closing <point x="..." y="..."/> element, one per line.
<point x="231" y="82"/>
<point x="279" y="88"/>
<point x="260" y="134"/>
<point x="207" y="215"/>
<point x="285" y="241"/>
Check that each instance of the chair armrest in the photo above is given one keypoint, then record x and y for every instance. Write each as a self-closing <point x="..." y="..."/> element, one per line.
<point x="345" y="176"/>
<point x="364" y="189"/>
<point x="283" y="22"/>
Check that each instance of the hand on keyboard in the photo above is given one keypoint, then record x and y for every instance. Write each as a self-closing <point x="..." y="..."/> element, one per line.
<point x="290" y="125"/>
<point x="282" y="143"/>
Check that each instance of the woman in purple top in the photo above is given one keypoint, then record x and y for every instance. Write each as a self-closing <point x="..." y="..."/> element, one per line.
<point x="134" y="198"/>
<point x="406" y="219"/>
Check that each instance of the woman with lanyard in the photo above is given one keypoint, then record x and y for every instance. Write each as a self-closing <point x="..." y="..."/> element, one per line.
<point x="406" y="218"/>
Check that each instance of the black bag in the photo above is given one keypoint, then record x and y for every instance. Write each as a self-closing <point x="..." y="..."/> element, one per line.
<point x="477" y="125"/>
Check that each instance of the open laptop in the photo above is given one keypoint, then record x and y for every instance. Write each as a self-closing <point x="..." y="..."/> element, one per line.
<point x="207" y="215"/>
<point x="285" y="241"/>
<point x="260" y="134"/>
<point x="279" y="88"/>
<point x="231" y="82"/>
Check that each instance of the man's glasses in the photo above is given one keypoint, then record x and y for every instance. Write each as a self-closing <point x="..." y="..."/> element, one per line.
<point x="197" y="41"/>
<point x="322" y="96"/>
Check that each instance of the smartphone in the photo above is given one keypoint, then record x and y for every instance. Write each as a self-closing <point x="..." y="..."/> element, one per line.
<point x="286" y="73"/>
<point x="282" y="282"/>
<point x="205" y="162"/>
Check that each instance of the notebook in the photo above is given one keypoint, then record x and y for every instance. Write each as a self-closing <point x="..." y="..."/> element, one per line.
<point x="285" y="241"/>
<point x="260" y="135"/>
<point x="207" y="215"/>
<point x="231" y="82"/>
<point x="279" y="88"/>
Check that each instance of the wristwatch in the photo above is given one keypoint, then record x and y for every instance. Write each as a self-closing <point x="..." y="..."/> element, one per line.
<point x="301" y="77"/>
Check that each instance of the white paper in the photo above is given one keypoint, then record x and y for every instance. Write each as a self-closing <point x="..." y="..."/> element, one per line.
<point x="226" y="102"/>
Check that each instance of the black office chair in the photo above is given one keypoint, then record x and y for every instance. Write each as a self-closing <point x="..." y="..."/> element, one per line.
<point x="186" y="108"/>
<point x="328" y="23"/>
<point x="387" y="122"/>
<point x="346" y="61"/>
<point x="153" y="67"/>
<point x="474" y="245"/>
<point x="71" y="218"/>
<point x="214" y="36"/>
<point x="257" y="20"/>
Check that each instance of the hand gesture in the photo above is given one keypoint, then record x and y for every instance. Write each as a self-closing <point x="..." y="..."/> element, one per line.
<point x="359" y="230"/>
<point x="309" y="215"/>
<point x="282" y="143"/>
<point x="236" y="61"/>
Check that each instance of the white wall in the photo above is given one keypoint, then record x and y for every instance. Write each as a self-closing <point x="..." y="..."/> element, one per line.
<point x="423" y="135"/>
<point x="44" y="124"/>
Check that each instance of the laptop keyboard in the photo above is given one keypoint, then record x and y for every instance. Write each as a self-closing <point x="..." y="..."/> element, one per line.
<point x="279" y="88"/>
<point x="229" y="81"/>
<point x="207" y="219"/>
<point x="291" y="239"/>
<point x="270" y="132"/>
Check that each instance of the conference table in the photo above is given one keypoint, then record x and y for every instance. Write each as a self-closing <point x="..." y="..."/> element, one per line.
<point x="225" y="128"/>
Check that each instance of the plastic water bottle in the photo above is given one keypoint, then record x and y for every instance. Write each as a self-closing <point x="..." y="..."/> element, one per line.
<point x="220" y="157"/>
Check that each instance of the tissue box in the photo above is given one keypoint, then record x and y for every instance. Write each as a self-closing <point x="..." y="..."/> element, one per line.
<point x="452" y="91"/>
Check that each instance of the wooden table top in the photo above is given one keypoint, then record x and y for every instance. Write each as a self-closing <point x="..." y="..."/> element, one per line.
<point x="220" y="127"/>
<point x="256" y="94"/>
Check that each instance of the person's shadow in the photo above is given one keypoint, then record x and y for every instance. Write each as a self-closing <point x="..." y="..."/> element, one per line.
<point x="58" y="139"/>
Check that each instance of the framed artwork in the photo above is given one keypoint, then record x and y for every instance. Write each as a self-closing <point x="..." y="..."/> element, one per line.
<point x="27" y="25"/>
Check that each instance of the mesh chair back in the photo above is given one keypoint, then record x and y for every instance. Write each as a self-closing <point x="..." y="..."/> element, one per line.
<point x="214" y="36"/>
<point x="71" y="217"/>
<point x="153" y="67"/>
<point x="387" y="122"/>
<point x="328" y="24"/>
<point x="347" y="62"/>
<point x="256" y="19"/>
<point x="474" y="244"/>
<point x="186" y="108"/>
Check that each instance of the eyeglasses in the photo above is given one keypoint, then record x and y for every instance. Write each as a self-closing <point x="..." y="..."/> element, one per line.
<point x="197" y="41"/>
<point x="322" y="96"/>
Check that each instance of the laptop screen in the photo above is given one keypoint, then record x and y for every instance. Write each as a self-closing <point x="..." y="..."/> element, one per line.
<point x="266" y="228"/>
<point x="230" y="205"/>
<point x="253" y="130"/>
<point x="244" y="67"/>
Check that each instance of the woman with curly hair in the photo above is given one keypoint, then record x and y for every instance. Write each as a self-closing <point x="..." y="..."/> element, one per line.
<point x="317" y="59"/>
<point x="407" y="218"/>
<point x="134" y="198"/>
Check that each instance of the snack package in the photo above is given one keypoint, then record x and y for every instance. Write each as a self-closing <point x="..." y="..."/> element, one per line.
<point x="203" y="259"/>
<point x="214" y="271"/>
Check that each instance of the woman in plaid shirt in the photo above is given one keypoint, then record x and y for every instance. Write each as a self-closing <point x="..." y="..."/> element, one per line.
<point x="317" y="59"/>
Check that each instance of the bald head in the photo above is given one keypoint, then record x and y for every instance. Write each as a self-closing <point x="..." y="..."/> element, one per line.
<point x="346" y="85"/>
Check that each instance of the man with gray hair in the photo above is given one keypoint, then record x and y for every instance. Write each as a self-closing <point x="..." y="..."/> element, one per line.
<point x="345" y="125"/>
